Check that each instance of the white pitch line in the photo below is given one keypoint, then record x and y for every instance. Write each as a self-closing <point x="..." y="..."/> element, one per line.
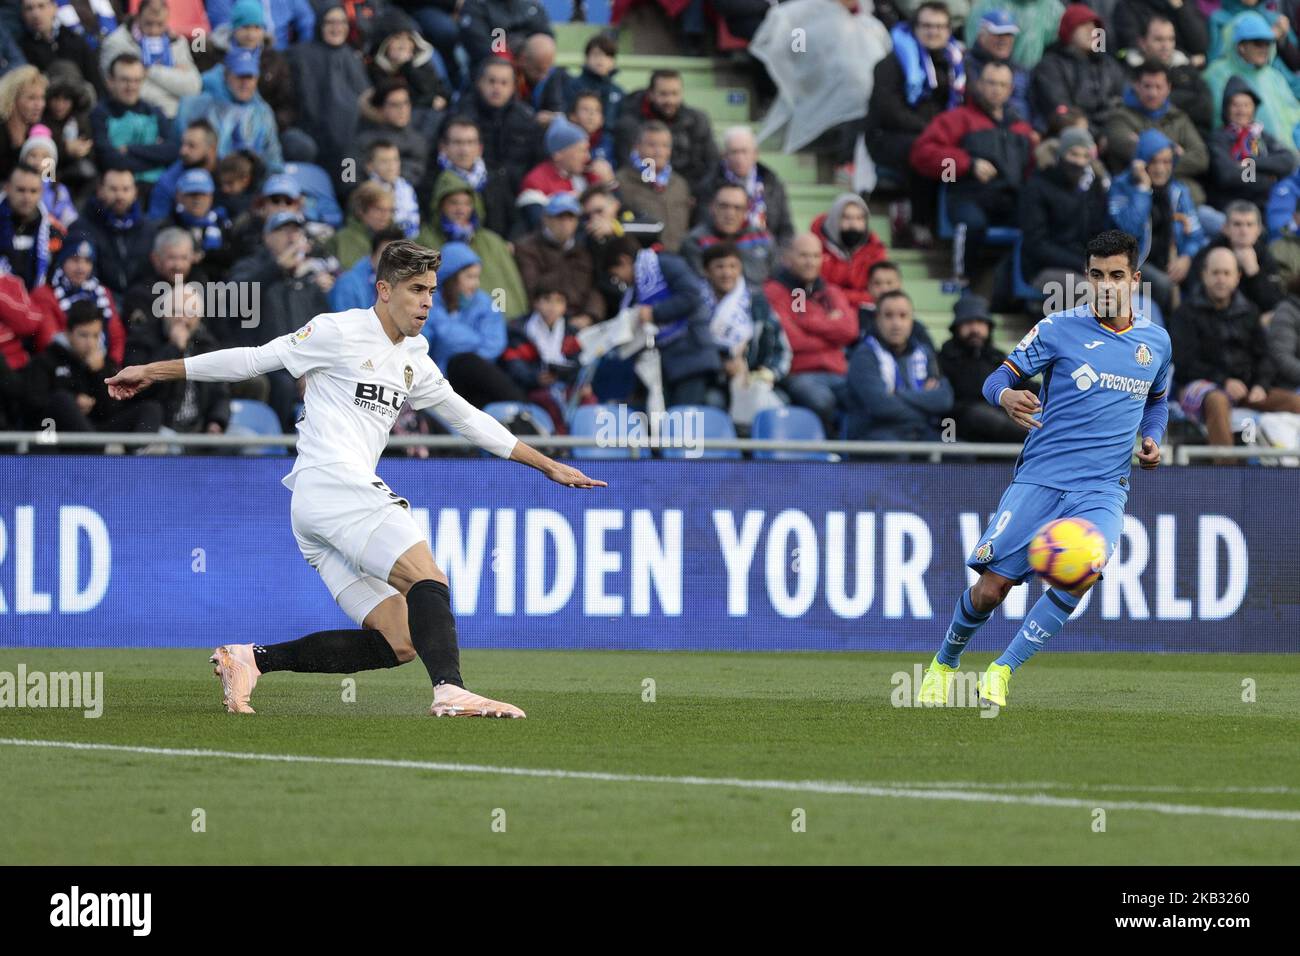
<point x="1090" y="787"/>
<point x="799" y="786"/>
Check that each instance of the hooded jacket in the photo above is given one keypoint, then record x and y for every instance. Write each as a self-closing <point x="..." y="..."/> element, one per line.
<point x="293" y="20"/>
<point x="1037" y="20"/>
<point x="1057" y="219"/>
<point x="847" y="270"/>
<point x="499" y="269"/>
<point x="473" y="325"/>
<point x="1091" y="82"/>
<point x="1217" y="345"/>
<point x="419" y="72"/>
<point x="248" y="125"/>
<point x="1279" y="109"/>
<point x="1130" y="207"/>
<point x="329" y="80"/>
<point x="1274" y="161"/>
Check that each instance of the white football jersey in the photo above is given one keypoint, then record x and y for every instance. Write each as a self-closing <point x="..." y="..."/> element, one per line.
<point x="357" y="381"/>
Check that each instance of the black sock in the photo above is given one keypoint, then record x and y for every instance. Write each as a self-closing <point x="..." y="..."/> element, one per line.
<point x="328" y="652"/>
<point x="433" y="631"/>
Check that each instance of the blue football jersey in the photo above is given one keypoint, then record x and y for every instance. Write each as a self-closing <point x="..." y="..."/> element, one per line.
<point x="1096" y="383"/>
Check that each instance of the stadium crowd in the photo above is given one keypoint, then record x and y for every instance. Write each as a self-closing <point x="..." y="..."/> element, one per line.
<point x="181" y="177"/>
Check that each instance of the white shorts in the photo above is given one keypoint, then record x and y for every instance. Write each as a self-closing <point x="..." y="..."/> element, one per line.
<point x="352" y="529"/>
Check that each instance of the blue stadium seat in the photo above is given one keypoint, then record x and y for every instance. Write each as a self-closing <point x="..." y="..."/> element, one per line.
<point x="561" y="11"/>
<point x="715" y="423"/>
<point x="319" y="204"/>
<point x="505" y="411"/>
<point x="793" y="423"/>
<point x="248" y="417"/>
<point x="995" y="236"/>
<point x="586" y="422"/>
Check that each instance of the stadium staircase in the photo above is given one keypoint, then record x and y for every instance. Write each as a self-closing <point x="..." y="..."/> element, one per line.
<point x="725" y="91"/>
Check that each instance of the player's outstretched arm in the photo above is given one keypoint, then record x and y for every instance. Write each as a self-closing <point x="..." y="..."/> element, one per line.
<point x="224" y="365"/>
<point x="557" y="471"/>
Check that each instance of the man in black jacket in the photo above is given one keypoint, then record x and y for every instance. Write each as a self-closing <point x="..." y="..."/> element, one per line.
<point x="1074" y="71"/>
<point x="1221" y="356"/>
<point x="769" y="207"/>
<point x="966" y="360"/>
<point x="1190" y="94"/>
<point x="512" y="138"/>
<point x="45" y="40"/>
<point x="114" y="222"/>
<point x="460" y="149"/>
<point x="695" y="154"/>
<point x="1132" y="17"/>
<point x="66" y="381"/>
<point x="1061" y="208"/>
<point x="1243" y="235"/>
<point x="480" y="19"/>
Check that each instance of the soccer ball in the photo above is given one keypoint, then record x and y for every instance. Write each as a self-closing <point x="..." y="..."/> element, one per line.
<point x="1068" y="552"/>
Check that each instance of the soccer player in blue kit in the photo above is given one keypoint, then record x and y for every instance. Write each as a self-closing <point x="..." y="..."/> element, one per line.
<point x="1106" y="374"/>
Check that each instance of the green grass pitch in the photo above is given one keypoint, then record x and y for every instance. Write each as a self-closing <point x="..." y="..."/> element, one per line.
<point x="1161" y="744"/>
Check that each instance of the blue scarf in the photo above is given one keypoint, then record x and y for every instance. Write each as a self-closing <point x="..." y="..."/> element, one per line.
<point x="649" y="285"/>
<point x="154" y="51"/>
<point x="918" y="366"/>
<point x="40" y="249"/>
<point x="65" y="293"/>
<point x="919" y="74"/>
<point x="1132" y="102"/>
<point x="476" y="177"/>
<point x="662" y="176"/>
<point x="103" y="12"/>
<point x="457" y="233"/>
<point x="123" y="223"/>
<point x="208" y="227"/>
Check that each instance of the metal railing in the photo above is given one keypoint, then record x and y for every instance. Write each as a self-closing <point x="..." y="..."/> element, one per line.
<point x="25" y="442"/>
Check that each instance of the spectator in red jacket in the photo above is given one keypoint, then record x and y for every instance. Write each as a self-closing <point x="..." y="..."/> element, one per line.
<point x="849" y="247"/>
<point x="74" y="281"/>
<point x="819" y="323"/>
<point x="19" y="320"/>
<point x="985" y="152"/>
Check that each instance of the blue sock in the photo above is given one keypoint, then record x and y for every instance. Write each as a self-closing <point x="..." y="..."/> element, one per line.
<point x="965" y="622"/>
<point x="1043" y="620"/>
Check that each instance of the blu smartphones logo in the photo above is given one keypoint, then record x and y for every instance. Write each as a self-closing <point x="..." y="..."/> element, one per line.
<point x="76" y="909"/>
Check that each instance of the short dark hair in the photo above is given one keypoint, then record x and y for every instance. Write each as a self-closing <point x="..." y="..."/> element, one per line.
<point x="404" y="259"/>
<point x="653" y="126"/>
<point x="890" y="296"/>
<point x="378" y="145"/>
<point x="934" y="7"/>
<point x="1156" y="18"/>
<point x="127" y="58"/>
<point x="882" y="266"/>
<point x="1112" y="242"/>
<point x="586" y="95"/>
<point x="391" y="234"/>
<point x="596" y="189"/>
<point x="622" y="247"/>
<point x="658" y="75"/>
<point x="26" y="167"/>
<point x="1151" y="68"/>
<point x="719" y="250"/>
<point x="235" y="164"/>
<point x="83" y="312"/>
<point x="445" y="135"/>
<point x="603" y="42"/>
<point x="204" y="127"/>
<point x="386" y="88"/>
<point x="494" y="61"/>
<point x="548" y="285"/>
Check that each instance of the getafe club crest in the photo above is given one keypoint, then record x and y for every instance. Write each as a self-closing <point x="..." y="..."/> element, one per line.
<point x="409" y="374"/>
<point x="984" y="553"/>
<point x="1143" y="355"/>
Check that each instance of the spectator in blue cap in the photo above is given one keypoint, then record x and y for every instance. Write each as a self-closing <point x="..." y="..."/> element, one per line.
<point x="279" y="193"/>
<point x="995" y="43"/>
<point x="1037" y="19"/>
<point x="569" y="169"/>
<point x="248" y="29"/>
<point x="555" y="254"/>
<point x="241" y="118"/>
<point x="291" y="20"/>
<point x="466" y="333"/>
<point x="197" y="213"/>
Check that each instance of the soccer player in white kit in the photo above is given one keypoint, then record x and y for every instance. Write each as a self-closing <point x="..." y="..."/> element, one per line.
<point x="361" y="367"/>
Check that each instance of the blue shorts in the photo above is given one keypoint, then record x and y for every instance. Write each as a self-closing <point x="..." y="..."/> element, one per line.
<point x="1025" y="508"/>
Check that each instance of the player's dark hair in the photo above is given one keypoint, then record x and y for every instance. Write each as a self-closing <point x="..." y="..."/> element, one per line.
<point x="882" y="266"/>
<point x="890" y="296"/>
<point x="391" y="234"/>
<point x="1112" y="242"/>
<point x="719" y="250"/>
<point x="403" y="259"/>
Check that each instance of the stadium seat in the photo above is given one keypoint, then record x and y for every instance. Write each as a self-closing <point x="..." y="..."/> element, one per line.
<point x="248" y="417"/>
<point x="505" y="412"/>
<point x="995" y="236"/>
<point x="585" y="423"/>
<point x="319" y="204"/>
<point x="715" y="424"/>
<point x="793" y="423"/>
